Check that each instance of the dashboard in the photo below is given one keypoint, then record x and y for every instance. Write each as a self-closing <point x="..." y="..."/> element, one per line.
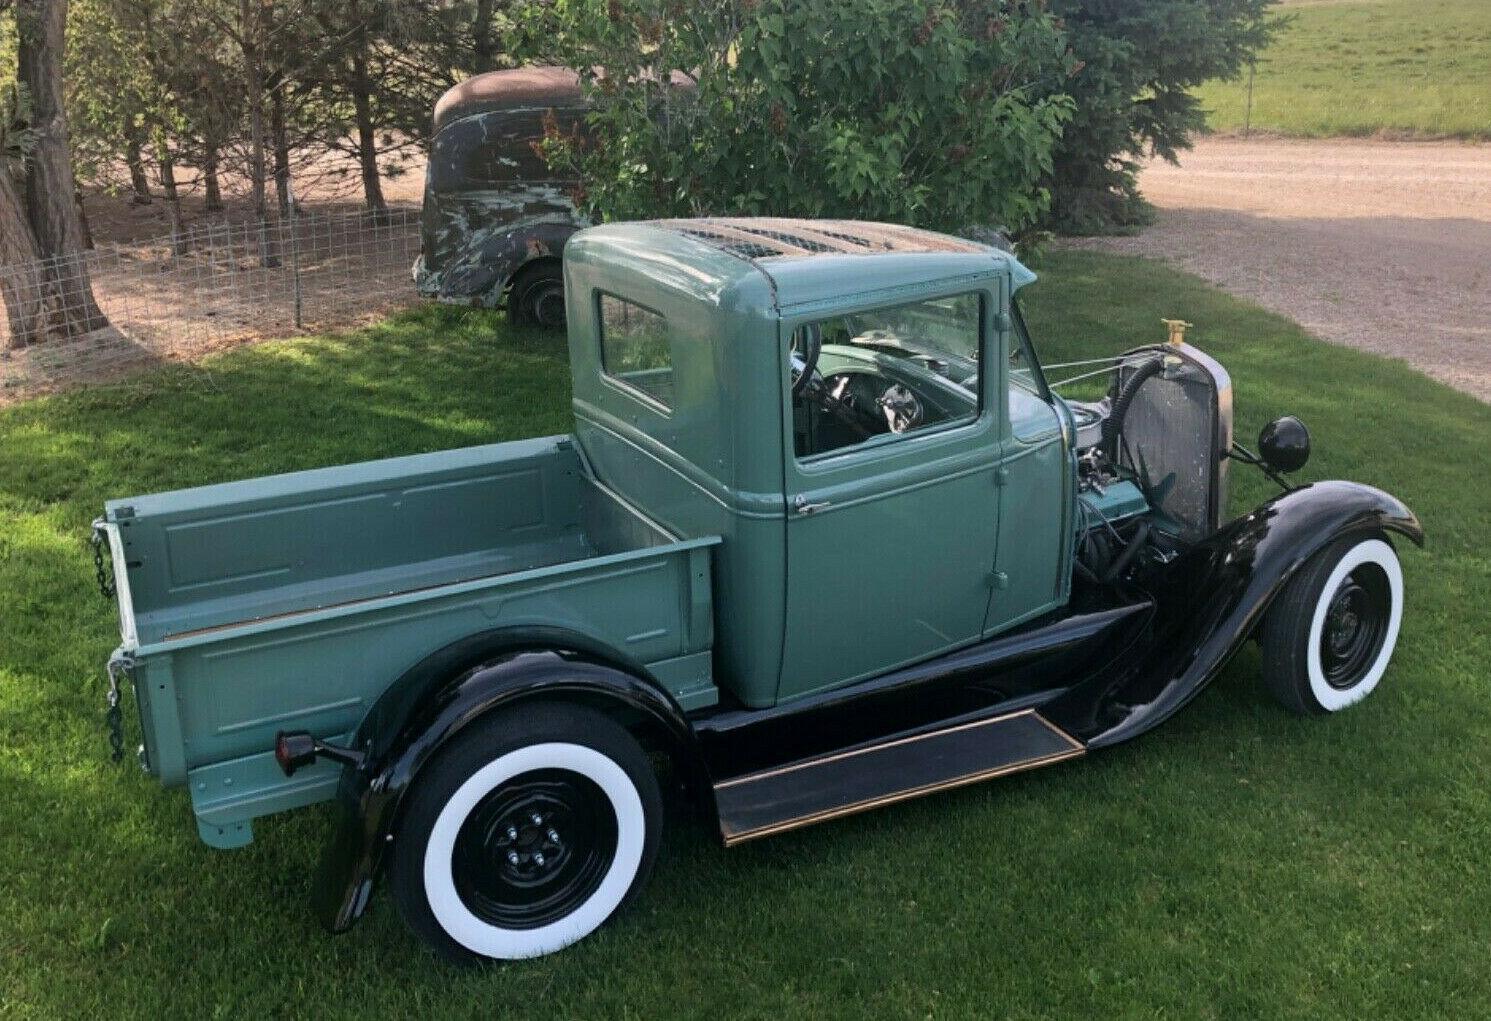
<point x="879" y="388"/>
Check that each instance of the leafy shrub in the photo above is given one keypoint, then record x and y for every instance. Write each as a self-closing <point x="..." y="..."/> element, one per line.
<point x="913" y="111"/>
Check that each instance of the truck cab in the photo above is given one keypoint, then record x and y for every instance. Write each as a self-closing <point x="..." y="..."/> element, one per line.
<point x="824" y="538"/>
<point x="921" y="434"/>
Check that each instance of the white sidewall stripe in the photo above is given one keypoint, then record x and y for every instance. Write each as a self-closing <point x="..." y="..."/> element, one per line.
<point x="493" y="941"/>
<point x="1370" y="551"/>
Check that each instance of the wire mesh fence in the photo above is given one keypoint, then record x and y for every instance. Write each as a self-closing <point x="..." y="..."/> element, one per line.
<point x="86" y="318"/>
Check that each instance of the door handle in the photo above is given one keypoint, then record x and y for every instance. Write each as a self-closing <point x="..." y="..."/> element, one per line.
<point x="800" y="505"/>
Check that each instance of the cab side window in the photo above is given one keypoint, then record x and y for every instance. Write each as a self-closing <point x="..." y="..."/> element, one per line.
<point x="899" y="370"/>
<point x="635" y="350"/>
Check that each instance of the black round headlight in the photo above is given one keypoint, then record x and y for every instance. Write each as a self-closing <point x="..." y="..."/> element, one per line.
<point x="1285" y="444"/>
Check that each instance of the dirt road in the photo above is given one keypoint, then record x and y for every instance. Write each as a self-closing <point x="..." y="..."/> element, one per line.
<point x="1384" y="246"/>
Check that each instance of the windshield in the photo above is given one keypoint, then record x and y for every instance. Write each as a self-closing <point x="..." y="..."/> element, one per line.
<point x="935" y="334"/>
<point x="1025" y="371"/>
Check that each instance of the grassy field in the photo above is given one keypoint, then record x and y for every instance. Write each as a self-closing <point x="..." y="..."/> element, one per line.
<point x="1238" y="862"/>
<point x="1365" y="67"/>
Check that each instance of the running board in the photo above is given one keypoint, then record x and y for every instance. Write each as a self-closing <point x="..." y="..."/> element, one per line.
<point x="825" y="788"/>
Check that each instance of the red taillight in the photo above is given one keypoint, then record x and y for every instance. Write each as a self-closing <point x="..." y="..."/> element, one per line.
<point x="294" y="749"/>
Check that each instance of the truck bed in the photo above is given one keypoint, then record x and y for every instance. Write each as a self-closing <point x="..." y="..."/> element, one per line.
<point x="292" y="602"/>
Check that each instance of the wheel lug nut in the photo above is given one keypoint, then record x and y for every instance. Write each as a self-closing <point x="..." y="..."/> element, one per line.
<point x="538" y="820"/>
<point x="512" y="833"/>
<point x="553" y="836"/>
<point x="512" y="857"/>
<point x="538" y="858"/>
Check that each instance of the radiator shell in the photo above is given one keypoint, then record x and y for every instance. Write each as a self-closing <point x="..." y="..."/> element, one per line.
<point x="1180" y="424"/>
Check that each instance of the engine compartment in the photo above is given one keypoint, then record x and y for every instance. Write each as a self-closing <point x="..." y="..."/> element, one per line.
<point x="1151" y="460"/>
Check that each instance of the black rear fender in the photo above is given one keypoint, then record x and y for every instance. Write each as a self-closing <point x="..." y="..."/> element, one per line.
<point x="435" y="700"/>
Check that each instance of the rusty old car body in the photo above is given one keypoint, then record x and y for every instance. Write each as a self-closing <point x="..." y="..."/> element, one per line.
<point x="495" y="215"/>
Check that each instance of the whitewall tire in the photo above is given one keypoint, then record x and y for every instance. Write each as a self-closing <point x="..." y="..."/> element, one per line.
<point x="526" y="834"/>
<point x="1330" y="634"/>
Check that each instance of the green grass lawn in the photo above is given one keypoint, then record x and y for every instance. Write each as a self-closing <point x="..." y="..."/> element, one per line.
<point x="1239" y="862"/>
<point x="1364" y="67"/>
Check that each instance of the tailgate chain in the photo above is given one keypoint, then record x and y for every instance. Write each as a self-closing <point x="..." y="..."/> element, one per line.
<point x="121" y="662"/>
<point x="119" y="666"/>
<point x="100" y="571"/>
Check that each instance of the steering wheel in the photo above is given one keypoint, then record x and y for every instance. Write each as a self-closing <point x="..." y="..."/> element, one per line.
<point x="805" y="362"/>
<point x="808" y="385"/>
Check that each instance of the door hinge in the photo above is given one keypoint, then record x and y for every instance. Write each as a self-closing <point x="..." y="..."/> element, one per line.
<point x="1001" y="476"/>
<point x="999" y="580"/>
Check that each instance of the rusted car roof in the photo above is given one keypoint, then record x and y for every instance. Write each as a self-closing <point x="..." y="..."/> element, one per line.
<point x="768" y="237"/>
<point x="522" y="88"/>
<point x="516" y="89"/>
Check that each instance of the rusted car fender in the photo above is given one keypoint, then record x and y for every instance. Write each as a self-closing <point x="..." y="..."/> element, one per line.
<point x="490" y="257"/>
<point x="1209" y="601"/>
<point x="434" y="700"/>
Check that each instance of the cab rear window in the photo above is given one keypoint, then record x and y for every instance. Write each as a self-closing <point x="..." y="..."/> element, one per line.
<point x="635" y="348"/>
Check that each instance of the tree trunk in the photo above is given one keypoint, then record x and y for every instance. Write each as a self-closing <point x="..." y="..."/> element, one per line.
<point x="281" y="150"/>
<point x="483" y="48"/>
<point x="21" y="282"/>
<point x="253" y="72"/>
<point x="367" y="136"/>
<point x="173" y="196"/>
<point x="77" y="199"/>
<point x="213" y="193"/>
<point x="139" y="184"/>
<point x="49" y="185"/>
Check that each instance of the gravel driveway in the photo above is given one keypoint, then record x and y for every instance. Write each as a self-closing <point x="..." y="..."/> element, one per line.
<point x="1384" y="246"/>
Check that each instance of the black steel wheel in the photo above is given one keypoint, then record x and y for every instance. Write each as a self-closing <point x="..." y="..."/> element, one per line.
<point x="1329" y="635"/>
<point x="531" y="830"/>
<point x="534" y="849"/>
<point x="1356" y="622"/>
<point x="536" y="297"/>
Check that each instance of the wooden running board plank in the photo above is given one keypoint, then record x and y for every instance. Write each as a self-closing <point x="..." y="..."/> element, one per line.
<point x="825" y="788"/>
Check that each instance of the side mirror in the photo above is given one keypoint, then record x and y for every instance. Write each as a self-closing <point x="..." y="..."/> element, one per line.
<point x="1284" y="444"/>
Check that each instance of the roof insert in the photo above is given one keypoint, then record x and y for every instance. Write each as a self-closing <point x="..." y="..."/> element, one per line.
<point x="767" y="237"/>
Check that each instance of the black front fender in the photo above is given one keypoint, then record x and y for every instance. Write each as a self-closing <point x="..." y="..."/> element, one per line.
<point x="427" y="707"/>
<point x="1212" y="597"/>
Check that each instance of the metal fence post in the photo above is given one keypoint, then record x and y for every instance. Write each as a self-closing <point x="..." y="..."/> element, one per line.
<point x="295" y="254"/>
<point x="1248" y="113"/>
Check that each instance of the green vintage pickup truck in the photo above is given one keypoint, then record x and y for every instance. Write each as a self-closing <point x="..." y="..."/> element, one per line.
<point x="824" y="538"/>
